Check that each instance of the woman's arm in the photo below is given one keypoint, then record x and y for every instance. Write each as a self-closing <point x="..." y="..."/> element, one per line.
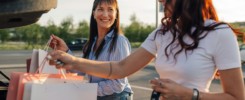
<point x="110" y="86"/>
<point x="231" y="80"/>
<point x="139" y="59"/>
<point x="233" y="86"/>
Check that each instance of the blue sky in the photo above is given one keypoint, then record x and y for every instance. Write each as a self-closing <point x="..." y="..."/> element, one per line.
<point x="228" y="10"/>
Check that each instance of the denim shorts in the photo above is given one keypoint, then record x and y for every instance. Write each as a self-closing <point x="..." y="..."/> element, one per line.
<point x="117" y="96"/>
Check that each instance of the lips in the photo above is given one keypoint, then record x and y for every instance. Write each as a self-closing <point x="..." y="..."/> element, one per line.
<point x="105" y="20"/>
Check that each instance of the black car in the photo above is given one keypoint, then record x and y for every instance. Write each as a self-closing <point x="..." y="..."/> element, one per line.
<point x="77" y="44"/>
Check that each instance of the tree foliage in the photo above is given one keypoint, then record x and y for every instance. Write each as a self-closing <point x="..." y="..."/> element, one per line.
<point x="66" y="29"/>
<point x="137" y="31"/>
<point x="82" y="29"/>
<point x="34" y="34"/>
<point x="4" y="35"/>
<point x="31" y="34"/>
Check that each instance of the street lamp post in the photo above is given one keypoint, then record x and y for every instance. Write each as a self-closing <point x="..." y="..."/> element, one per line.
<point x="156" y="13"/>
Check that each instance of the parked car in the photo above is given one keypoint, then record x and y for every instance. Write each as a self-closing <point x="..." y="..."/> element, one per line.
<point x="242" y="53"/>
<point x="77" y="44"/>
<point x="15" y="13"/>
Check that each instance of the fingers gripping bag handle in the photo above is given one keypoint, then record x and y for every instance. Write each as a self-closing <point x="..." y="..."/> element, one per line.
<point x="61" y="71"/>
<point x="38" y="58"/>
<point x="42" y="64"/>
<point x="45" y="59"/>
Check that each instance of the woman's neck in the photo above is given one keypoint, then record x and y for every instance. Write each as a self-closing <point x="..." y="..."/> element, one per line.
<point x="102" y="33"/>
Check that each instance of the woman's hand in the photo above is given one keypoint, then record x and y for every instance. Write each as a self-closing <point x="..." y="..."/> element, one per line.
<point x="58" y="55"/>
<point x="171" y="90"/>
<point x="58" y="44"/>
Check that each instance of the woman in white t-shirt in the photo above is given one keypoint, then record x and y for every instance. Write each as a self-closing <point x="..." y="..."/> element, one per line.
<point x="189" y="47"/>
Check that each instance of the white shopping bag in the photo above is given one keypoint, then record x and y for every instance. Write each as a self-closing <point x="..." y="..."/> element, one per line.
<point x="60" y="89"/>
<point x="40" y="62"/>
<point x="38" y="56"/>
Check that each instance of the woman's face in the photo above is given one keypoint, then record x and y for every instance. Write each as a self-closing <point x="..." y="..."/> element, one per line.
<point x="168" y="6"/>
<point x="105" y="15"/>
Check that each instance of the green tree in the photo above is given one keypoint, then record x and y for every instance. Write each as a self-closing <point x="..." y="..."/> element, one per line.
<point x="16" y="35"/>
<point x="137" y="31"/>
<point x="4" y="35"/>
<point x="66" y="29"/>
<point x="50" y="29"/>
<point x="146" y="30"/>
<point x="133" y="30"/>
<point x="32" y="34"/>
<point x="82" y="29"/>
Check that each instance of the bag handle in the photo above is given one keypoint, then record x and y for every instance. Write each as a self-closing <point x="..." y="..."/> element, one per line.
<point x="48" y="43"/>
<point x="40" y="68"/>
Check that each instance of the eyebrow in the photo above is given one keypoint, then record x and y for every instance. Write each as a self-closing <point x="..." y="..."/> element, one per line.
<point x="107" y="7"/>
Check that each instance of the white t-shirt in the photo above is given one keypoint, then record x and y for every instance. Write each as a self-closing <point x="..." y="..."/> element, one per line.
<point x="195" y="69"/>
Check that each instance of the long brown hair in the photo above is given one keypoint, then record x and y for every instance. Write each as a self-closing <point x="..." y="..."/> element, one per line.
<point x="186" y="15"/>
<point x="94" y="31"/>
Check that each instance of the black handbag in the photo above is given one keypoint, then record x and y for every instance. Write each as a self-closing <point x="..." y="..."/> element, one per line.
<point x="3" y="87"/>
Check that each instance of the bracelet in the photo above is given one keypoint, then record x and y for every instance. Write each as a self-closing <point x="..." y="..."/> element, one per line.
<point x="110" y="71"/>
<point x="195" y="95"/>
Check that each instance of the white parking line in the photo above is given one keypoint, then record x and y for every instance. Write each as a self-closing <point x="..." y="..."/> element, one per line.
<point x="7" y="66"/>
<point x="142" y="88"/>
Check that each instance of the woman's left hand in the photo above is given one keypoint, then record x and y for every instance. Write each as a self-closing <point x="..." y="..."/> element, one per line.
<point x="58" y="44"/>
<point x="171" y="90"/>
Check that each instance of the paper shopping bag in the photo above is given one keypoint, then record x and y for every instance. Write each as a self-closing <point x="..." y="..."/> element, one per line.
<point x="18" y="79"/>
<point x="46" y="67"/>
<point x="60" y="89"/>
<point x="28" y="85"/>
<point x="13" y="85"/>
<point x="40" y="63"/>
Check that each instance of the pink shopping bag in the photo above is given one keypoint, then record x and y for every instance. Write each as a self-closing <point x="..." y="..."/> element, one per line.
<point x="13" y="86"/>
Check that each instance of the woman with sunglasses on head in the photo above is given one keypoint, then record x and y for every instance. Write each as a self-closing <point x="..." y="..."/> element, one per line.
<point x="189" y="47"/>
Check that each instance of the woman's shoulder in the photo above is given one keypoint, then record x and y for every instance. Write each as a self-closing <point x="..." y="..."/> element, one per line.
<point x="220" y="25"/>
<point x="221" y="29"/>
<point x="122" y="37"/>
<point x="122" y="41"/>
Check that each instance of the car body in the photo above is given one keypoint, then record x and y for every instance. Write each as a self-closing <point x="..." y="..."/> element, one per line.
<point x="15" y="13"/>
<point x="77" y="44"/>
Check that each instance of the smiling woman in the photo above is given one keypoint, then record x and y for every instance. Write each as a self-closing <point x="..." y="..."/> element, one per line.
<point x="15" y="13"/>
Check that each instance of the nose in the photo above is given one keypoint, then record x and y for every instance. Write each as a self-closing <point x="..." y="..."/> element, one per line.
<point x="105" y="13"/>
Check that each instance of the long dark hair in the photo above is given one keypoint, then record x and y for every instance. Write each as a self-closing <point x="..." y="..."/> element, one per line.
<point x="186" y="15"/>
<point x="94" y="31"/>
